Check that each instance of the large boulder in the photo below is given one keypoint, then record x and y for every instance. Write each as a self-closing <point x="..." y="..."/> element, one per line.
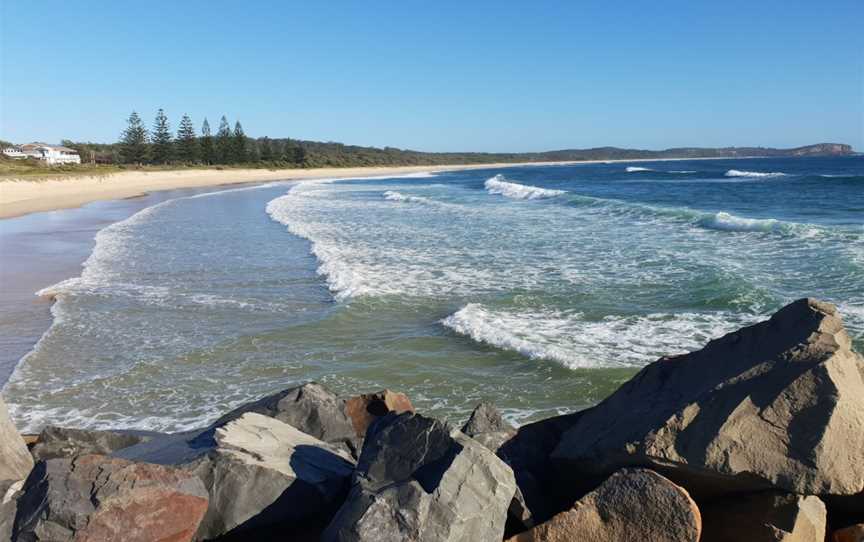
<point x="311" y="408"/>
<point x="779" y="404"/>
<point x="633" y="505"/>
<point x="364" y="409"/>
<point x="765" y="517"/>
<point x="263" y="472"/>
<point x="15" y="460"/>
<point x="420" y="480"/>
<point x="485" y="418"/>
<point x="854" y="533"/>
<point x="9" y="493"/>
<point x="56" y="442"/>
<point x="94" y="498"/>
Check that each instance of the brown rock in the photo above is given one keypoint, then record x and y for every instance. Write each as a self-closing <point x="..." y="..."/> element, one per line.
<point x="779" y="404"/>
<point x="365" y="409"/>
<point x="635" y="505"/>
<point x="855" y="533"/>
<point x="94" y="498"/>
<point x="765" y="517"/>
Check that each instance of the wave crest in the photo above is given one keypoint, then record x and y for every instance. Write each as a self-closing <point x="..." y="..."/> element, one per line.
<point x="728" y="222"/>
<point x="739" y="173"/>
<point x="635" y="169"/>
<point x="497" y="185"/>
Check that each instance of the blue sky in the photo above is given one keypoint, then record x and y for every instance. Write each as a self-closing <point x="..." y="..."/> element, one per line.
<point x="485" y="76"/>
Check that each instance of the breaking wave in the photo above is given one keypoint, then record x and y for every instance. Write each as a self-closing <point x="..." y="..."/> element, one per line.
<point x="634" y="169"/>
<point x="739" y="173"/>
<point x="497" y="185"/>
<point x="577" y="343"/>
<point x="728" y="222"/>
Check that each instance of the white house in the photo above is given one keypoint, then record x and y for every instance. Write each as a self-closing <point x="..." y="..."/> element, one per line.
<point x="52" y="154"/>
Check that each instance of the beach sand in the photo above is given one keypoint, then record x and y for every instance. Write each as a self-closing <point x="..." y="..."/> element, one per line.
<point x="21" y="197"/>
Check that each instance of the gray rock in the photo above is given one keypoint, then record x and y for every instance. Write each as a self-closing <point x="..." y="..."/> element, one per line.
<point x="633" y="505"/>
<point x="779" y="404"/>
<point x="264" y="472"/>
<point x="15" y="460"/>
<point x="311" y="408"/>
<point x="765" y="517"/>
<point x="485" y="419"/>
<point x="93" y="498"/>
<point x="419" y="480"/>
<point x="56" y="442"/>
<point x="9" y="493"/>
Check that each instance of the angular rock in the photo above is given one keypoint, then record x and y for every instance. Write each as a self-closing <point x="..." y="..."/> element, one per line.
<point x="264" y="472"/>
<point x="765" y="517"/>
<point x="779" y="404"/>
<point x="9" y="493"/>
<point x="94" y="498"/>
<point x="311" y="408"/>
<point x="485" y="419"/>
<point x="364" y="409"/>
<point x="855" y="533"/>
<point x="56" y="442"/>
<point x="15" y="460"/>
<point x="419" y="480"/>
<point x="635" y="505"/>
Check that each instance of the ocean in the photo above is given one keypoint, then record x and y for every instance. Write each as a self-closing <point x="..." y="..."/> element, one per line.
<point x="540" y="288"/>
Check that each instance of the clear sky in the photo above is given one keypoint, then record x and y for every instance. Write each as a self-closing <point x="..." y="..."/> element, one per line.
<point x="466" y="75"/>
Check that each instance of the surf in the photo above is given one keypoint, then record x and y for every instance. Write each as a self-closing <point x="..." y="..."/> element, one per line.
<point x="498" y="185"/>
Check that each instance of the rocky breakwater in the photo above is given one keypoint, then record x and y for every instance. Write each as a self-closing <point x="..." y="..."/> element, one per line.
<point x="759" y="436"/>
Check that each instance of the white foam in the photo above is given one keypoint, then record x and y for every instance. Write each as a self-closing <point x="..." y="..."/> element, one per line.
<point x="635" y="169"/>
<point x="577" y="343"/>
<point x="497" y="185"/>
<point x="392" y="195"/>
<point x="739" y="173"/>
<point x="728" y="222"/>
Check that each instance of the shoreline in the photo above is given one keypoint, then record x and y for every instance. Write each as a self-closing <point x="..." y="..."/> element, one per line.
<point x="19" y="197"/>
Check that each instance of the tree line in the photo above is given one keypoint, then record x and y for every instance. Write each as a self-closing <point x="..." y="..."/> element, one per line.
<point x="160" y="145"/>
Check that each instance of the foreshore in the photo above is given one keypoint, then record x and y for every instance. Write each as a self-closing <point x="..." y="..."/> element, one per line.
<point x="20" y="197"/>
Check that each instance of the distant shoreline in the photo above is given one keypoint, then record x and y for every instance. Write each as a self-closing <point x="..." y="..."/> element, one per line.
<point x="20" y="197"/>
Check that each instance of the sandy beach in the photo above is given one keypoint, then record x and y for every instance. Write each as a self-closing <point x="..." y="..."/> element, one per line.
<point x="21" y="197"/>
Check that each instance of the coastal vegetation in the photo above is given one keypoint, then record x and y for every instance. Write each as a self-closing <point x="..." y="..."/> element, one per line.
<point x="162" y="148"/>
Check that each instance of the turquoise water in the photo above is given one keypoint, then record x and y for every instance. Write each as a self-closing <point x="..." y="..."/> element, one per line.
<point x="539" y="288"/>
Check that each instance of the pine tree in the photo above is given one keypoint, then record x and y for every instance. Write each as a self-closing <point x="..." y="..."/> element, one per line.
<point x="238" y="146"/>
<point x="298" y="156"/>
<point x="133" y="141"/>
<point x="265" y="149"/>
<point x="224" y="151"/>
<point x="161" y="139"/>
<point x="208" y="148"/>
<point x="187" y="146"/>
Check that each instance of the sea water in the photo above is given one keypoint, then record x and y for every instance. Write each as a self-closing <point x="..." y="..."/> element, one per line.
<point x="539" y="288"/>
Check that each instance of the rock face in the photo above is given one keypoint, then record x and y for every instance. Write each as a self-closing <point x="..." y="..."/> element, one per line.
<point x="635" y="505"/>
<point x="419" y="480"/>
<point x="765" y="517"/>
<point x="365" y="409"/>
<point x="9" y="492"/>
<point x="855" y="533"/>
<point x="779" y="404"/>
<point x="94" y="498"/>
<point x="56" y="442"/>
<point x="485" y="419"/>
<point x="263" y="472"/>
<point x="311" y="408"/>
<point x="15" y="460"/>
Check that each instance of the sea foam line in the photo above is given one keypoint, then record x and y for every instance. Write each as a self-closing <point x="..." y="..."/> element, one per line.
<point x="576" y="343"/>
<point x="499" y="186"/>
<point x="759" y="174"/>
